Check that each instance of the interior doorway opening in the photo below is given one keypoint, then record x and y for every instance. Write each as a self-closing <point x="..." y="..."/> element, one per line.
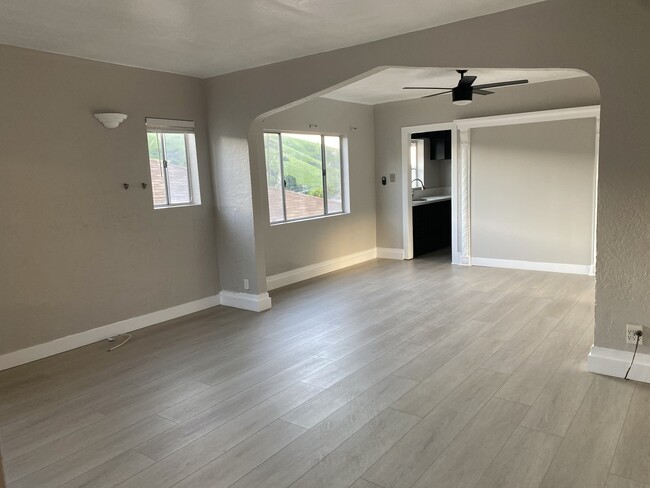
<point x="430" y="193"/>
<point x="430" y="164"/>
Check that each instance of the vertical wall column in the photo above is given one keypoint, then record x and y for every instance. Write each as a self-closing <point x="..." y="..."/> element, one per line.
<point x="464" y="192"/>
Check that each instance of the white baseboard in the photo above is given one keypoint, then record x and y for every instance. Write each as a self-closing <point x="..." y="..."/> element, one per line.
<point x="246" y="301"/>
<point x="74" y="341"/>
<point x="612" y="362"/>
<point x="388" y="253"/>
<point x="300" y="274"/>
<point x="581" y="269"/>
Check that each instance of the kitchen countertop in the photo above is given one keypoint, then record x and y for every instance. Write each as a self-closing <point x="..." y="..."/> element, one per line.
<point x="435" y="199"/>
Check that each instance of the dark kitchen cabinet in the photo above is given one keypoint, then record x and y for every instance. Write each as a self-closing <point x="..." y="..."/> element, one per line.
<point x="439" y="144"/>
<point x="431" y="227"/>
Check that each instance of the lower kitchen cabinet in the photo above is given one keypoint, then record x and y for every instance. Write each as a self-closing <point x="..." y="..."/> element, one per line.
<point x="431" y="227"/>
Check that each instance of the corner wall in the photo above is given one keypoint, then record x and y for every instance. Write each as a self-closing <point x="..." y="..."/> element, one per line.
<point x="77" y="250"/>
<point x="295" y="245"/>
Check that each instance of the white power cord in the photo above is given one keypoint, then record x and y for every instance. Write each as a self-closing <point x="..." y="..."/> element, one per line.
<point x="111" y="339"/>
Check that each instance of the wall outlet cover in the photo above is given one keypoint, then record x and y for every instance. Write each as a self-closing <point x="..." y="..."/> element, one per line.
<point x="631" y="334"/>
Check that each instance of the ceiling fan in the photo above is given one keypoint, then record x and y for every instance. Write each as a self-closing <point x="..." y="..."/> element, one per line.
<point x="462" y="93"/>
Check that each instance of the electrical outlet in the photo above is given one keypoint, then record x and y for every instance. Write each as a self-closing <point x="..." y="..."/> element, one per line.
<point x="247" y="285"/>
<point x="392" y="177"/>
<point x="631" y="334"/>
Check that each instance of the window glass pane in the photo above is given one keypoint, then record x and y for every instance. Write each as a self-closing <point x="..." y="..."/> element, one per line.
<point x="177" y="174"/>
<point x="417" y="162"/>
<point x="156" y="168"/>
<point x="303" y="175"/>
<point x="333" y="167"/>
<point x="273" y="176"/>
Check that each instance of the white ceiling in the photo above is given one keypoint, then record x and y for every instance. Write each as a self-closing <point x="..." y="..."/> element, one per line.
<point x="210" y="37"/>
<point x="387" y="85"/>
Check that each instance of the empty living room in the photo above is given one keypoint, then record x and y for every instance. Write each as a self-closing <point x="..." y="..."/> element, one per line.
<point x="316" y="244"/>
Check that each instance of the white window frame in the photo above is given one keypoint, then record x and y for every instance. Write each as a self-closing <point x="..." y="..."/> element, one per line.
<point x="185" y="127"/>
<point x="417" y="171"/>
<point x="345" y="209"/>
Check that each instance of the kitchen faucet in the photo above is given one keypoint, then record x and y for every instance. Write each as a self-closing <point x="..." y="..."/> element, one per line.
<point x="417" y="179"/>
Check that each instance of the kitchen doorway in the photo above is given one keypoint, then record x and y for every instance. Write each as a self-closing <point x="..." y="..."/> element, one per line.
<point x="429" y="176"/>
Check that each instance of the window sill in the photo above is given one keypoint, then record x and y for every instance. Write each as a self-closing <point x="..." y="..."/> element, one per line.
<point x="309" y="219"/>
<point x="180" y="205"/>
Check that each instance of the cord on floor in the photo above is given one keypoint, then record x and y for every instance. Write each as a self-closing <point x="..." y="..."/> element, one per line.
<point x="128" y="337"/>
<point x="638" y="334"/>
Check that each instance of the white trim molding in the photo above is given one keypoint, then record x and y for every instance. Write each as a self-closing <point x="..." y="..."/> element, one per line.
<point x="306" y="272"/>
<point x="405" y="184"/>
<point x="530" y="117"/>
<point x="388" y="253"/>
<point x="246" y="301"/>
<point x="581" y="269"/>
<point x="613" y="362"/>
<point x="74" y="341"/>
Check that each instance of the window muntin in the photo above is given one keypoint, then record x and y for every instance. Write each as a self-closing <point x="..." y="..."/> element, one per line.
<point x="304" y="175"/>
<point x="172" y="163"/>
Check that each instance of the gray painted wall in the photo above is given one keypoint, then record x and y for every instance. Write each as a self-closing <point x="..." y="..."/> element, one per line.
<point x="77" y="251"/>
<point x="296" y="244"/>
<point x="391" y="117"/>
<point x="532" y="191"/>
<point x="597" y="36"/>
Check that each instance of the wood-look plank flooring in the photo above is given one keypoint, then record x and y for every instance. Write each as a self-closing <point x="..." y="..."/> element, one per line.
<point x="390" y="374"/>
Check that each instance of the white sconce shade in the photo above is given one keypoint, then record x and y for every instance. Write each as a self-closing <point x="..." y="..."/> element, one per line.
<point x="111" y="120"/>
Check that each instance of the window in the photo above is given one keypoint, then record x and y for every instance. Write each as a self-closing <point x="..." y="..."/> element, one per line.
<point x="417" y="163"/>
<point x="172" y="163"/>
<point x="304" y="174"/>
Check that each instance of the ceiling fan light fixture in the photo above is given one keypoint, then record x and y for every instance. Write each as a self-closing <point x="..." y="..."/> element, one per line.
<point x="462" y="95"/>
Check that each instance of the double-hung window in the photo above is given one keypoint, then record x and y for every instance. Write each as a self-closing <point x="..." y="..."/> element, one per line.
<point x="304" y="174"/>
<point x="172" y="163"/>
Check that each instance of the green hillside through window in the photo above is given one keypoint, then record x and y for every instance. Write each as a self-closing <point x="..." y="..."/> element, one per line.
<point x="296" y="183"/>
<point x="302" y="159"/>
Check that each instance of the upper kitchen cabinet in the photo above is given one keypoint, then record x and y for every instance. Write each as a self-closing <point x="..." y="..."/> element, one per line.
<point x="439" y="144"/>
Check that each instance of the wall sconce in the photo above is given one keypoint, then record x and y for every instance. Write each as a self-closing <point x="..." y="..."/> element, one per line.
<point x="110" y="120"/>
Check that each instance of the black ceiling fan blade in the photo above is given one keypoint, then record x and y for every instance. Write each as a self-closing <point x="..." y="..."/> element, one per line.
<point x="426" y="88"/>
<point x="502" y="83"/>
<point x="467" y="80"/>
<point x="436" y="94"/>
<point x="482" y="92"/>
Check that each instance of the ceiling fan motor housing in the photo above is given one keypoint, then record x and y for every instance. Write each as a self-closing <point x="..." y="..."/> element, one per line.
<point x="462" y="94"/>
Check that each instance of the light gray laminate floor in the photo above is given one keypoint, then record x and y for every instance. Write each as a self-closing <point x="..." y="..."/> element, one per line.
<point x="389" y="374"/>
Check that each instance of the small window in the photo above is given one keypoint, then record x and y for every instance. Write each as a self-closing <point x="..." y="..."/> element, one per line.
<point x="304" y="175"/>
<point x="417" y="163"/>
<point x="172" y="163"/>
